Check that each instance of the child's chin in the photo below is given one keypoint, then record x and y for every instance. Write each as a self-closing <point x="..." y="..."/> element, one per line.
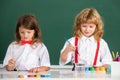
<point x="26" y="39"/>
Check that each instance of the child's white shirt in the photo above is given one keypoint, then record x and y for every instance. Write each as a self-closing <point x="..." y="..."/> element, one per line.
<point x="27" y="56"/>
<point x="87" y="50"/>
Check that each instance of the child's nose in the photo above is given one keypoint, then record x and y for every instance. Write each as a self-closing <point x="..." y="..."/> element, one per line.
<point x="25" y="35"/>
<point x="87" y="29"/>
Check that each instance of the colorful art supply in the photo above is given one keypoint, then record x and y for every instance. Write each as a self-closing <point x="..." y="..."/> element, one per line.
<point x="113" y="55"/>
<point x="102" y="69"/>
<point x="38" y="76"/>
<point x="86" y="69"/>
<point x="42" y="75"/>
<point x="45" y="75"/>
<point x="31" y="76"/>
<point x="117" y="55"/>
<point x="92" y="69"/>
<point x="80" y="68"/>
<point x="109" y="69"/>
<point x="35" y="76"/>
<point x="118" y="58"/>
<point x="97" y="69"/>
<point x="21" y="76"/>
<point x="48" y="75"/>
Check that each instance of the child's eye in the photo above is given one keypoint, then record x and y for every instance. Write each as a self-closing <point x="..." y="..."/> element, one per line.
<point x="84" y="26"/>
<point x="21" y="32"/>
<point x="28" y="32"/>
<point x="91" y="26"/>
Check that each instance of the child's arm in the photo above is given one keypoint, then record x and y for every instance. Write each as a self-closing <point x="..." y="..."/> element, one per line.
<point x="64" y="54"/>
<point x="39" y="69"/>
<point x="11" y="65"/>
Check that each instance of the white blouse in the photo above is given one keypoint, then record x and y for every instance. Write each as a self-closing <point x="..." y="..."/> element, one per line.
<point x="27" y="56"/>
<point x="87" y="50"/>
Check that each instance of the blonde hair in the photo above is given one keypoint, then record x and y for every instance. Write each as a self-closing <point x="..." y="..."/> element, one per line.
<point x="89" y="15"/>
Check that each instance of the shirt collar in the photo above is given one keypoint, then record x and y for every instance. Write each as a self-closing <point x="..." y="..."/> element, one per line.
<point x="86" y="38"/>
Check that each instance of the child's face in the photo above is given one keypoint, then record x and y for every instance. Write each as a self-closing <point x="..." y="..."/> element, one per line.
<point x="26" y="34"/>
<point x="88" y="29"/>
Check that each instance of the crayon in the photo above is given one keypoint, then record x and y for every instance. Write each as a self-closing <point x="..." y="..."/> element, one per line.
<point x="117" y="55"/>
<point x="113" y="54"/>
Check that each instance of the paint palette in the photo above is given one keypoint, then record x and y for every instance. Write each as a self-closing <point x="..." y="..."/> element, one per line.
<point x="34" y="76"/>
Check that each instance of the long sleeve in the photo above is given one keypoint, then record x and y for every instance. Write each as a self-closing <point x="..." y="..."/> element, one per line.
<point x="44" y="57"/>
<point x="8" y="55"/>
<point x="106" y="57"/>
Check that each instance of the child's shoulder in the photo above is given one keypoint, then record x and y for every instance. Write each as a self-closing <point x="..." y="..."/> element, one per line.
<point x="13" y="43"/>
<point x="41" y="45"/>
<point x="102" y="41"/>
<point x="71" y="39"/>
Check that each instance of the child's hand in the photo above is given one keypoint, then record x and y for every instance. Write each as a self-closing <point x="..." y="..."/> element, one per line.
<point x="11" y="65"/>
<point x="64" y="54"/>
<point x="70" y="48"/>
<point x="39" y="69"/>
<point x="34" y="70"/>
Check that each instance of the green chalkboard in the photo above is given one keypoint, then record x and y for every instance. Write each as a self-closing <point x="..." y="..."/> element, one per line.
<point x="56" y="18"/>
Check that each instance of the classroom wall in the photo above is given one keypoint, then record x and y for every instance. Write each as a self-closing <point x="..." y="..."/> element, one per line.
<point x="56" y="18"/>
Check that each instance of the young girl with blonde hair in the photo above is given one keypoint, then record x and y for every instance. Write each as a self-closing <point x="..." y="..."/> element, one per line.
<point x="87" y="46"/>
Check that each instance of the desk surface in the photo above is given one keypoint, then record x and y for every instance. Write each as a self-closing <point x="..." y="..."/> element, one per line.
<point x="59" y="73"/>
